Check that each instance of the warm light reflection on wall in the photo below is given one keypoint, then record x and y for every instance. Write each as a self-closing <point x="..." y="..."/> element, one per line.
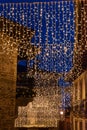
<point x="43" y="111"/>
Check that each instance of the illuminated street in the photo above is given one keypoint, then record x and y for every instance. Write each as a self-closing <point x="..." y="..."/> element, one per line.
<point x="43" y="65"/>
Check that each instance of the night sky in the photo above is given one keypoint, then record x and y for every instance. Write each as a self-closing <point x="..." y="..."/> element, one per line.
<point x="60" y="60"/>
<point x="8" y="1"/>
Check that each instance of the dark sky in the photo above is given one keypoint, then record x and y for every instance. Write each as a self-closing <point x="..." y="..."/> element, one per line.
<point x="61" y="60"/>
<point x="8" y="1"/>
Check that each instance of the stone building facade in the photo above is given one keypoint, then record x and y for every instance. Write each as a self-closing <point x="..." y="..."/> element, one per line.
<point x="10" y="39"/>
<point x="78" y="74"/>
<point x="8" y="75"/>
<point x="79" y="102"/>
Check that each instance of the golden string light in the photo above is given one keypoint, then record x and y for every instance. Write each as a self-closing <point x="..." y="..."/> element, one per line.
<point x="52" y="48"/>
<point x="47" y="82"/>
<point x="80" y="45"/>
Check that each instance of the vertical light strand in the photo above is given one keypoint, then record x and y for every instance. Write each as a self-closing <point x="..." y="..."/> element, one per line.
<point x="80" y="25"/>
<point x="67" y="20"/>
<point x="53" y="34"/>
<point x="86" y="20"/>
<point x="45" y="38"/>
<point x="47" y="45"/>
<point x="40" y="29"/>
<point x="57" y="31"/>
<point x="21" y="35"/>
<point x="65" y="34"/>
<point x="35" y="37"/>
<point x="1" y="15"/>
<point x="84" y="25"/>
<point x="2" y="19"/>
<point x="17" y="29"/>
<point x="24" y="31"/>
<point x="35" y="24"/>
<point x="37" y="17"/>
<point x="28" y="9"/>
<point x="63" y="56"/>
<point x="73" y="30"/>
<point x="29" y="14"/>
<point x="60" y="24"/>
<point x="28" y="25"/>
<point x="5" y="28"/>
<point x="76" y="21"/>
<point x="76" y="29"/>
<point x="55" y="18"/>
<point x="12" y="27"/>
<point x="48" y="40"/>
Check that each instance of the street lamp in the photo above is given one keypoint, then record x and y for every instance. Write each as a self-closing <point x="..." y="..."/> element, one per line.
<point x="61" y="113"/>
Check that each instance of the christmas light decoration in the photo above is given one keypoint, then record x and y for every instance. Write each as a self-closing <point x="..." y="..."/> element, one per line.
<point x="80" y="45"/>
<point x="51" y="30"/>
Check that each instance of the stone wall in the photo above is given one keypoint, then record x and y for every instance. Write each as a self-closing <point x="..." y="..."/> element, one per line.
<point x="8" y="63"/>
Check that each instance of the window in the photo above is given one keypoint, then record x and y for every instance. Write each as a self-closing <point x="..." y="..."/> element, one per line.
<point x="76" y="125"/>
<point x="86" y="85"/>
<point x="80" y="85"/>
<point x="76" y="108"/>
<point x="80" y="126"/>
<point x="85" y="125"/>
<point x="86" y="108"/>
<point x="75" y="91"/>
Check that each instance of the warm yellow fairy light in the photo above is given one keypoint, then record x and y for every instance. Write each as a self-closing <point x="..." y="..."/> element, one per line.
<point x="23" y="37"/>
